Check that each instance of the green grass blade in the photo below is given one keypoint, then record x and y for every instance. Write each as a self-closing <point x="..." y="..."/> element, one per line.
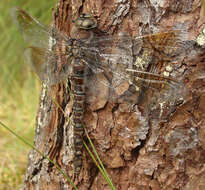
<point x="46" y="157"/>
<point x="100" y="165"/>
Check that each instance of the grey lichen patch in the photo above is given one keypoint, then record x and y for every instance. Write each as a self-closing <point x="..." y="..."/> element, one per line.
<point x="121" y="11"/>
<point x="68" y="153"/>
<point x="168" y="70"/>
<point x="201" y="38"/>
<point x="181" y="139"/>
<point x="157" y="3"/>
<point x="145" y="13"/>
<point x="40" y="118"/>
<point x="143" y="61"/>
<point x="68" y="143"/>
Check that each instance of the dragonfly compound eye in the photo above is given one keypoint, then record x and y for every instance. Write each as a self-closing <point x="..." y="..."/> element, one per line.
<point x="86" y="21"/>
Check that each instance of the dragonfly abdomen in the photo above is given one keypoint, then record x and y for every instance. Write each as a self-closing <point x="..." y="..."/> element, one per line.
<point x="78" y="90"/>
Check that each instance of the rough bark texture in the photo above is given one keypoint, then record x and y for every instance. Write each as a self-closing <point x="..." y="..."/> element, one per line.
<point x="153" y="154"/>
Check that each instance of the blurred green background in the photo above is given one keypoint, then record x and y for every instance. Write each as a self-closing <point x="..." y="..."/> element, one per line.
<point x="19" y="92"/>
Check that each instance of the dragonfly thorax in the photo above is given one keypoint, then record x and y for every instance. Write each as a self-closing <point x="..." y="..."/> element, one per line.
<point x="75" y="52"/>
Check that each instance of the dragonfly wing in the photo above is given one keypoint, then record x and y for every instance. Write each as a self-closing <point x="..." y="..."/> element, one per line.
<point x="44" y="64"/>
<point x="97" y="91"/>
<point x="35" y="33"/>
<point x="35" y="57"/>
<point x="141" y="75"/>
<point x="147" y="90"/>
<point x="124" y="48"/>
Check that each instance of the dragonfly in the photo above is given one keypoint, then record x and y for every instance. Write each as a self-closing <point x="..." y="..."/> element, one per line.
<point x="137" y="67"/>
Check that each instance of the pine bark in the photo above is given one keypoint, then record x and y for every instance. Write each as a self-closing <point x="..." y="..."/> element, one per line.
<point x="167" y="154"/>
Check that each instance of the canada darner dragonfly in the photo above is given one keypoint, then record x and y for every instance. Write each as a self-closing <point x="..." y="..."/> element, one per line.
<point x="131" y="66"/>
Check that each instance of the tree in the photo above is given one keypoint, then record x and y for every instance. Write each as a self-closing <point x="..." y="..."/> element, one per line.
<point x="138" y="150"/>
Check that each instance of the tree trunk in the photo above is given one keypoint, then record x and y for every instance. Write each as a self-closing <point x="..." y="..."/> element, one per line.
<point x="138" y="152"/>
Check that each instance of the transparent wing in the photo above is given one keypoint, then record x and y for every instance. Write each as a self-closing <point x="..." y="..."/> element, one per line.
<point x="139" y="62"/>
<point x="45" y="64"/>
<point x="141" y="66"/>
<point x="44" y="49"/>
<point x="35" y="33"/>
<point x="170" y="44"/>
<point x="149" y="91"/>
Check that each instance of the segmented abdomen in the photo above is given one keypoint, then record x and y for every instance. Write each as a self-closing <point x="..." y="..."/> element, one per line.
<point x="78" y="90"/>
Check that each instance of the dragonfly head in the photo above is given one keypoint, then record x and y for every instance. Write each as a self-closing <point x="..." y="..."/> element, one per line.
<point x="86" y="22"/>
